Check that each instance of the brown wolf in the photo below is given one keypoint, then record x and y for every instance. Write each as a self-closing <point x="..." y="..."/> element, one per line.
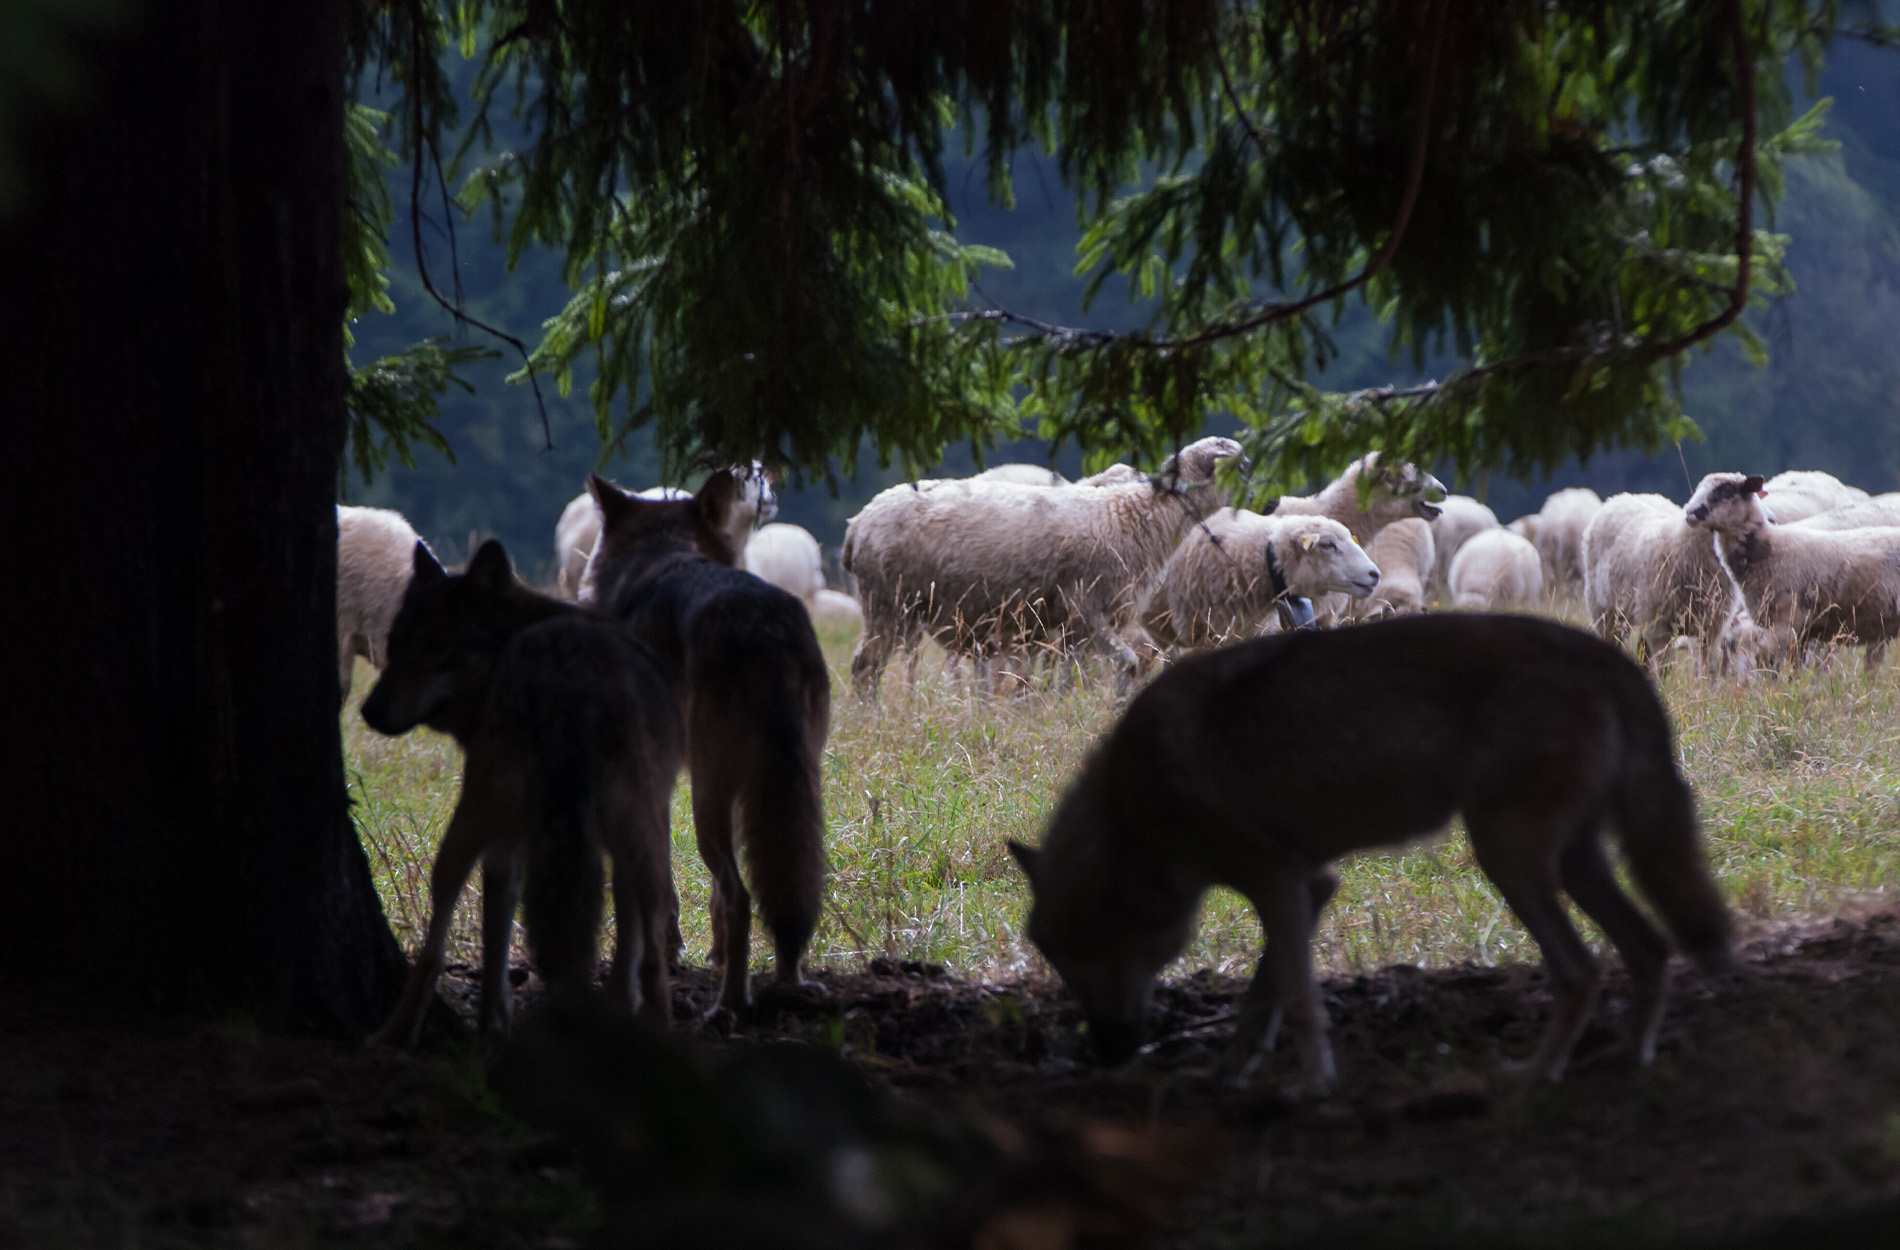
<point x="757" y="701"/>
<point x="1254" y="765"/>
<point x="573" y="743"/>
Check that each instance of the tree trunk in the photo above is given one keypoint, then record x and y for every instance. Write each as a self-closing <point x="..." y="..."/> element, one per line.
<point x="171" y="297"/>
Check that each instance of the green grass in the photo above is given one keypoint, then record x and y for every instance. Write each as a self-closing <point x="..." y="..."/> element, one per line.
<point x="922" y="791"/>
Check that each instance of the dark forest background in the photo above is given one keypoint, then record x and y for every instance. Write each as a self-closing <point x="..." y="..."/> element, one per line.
<point x="1827" y="400"/>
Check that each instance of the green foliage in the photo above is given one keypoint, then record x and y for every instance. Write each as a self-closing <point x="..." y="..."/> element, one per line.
<point x="393" y="401"/>
<point x="749" y="201"/>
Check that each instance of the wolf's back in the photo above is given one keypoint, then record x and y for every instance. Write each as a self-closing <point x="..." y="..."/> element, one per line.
<point x="568" y="698"/>
<point x="761" y="687"/>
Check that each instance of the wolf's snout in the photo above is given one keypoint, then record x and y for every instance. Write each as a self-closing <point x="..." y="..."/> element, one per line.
<point x="1115" y="1041"/>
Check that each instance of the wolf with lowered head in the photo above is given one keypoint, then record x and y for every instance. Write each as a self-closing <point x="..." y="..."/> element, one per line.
<point x="756" y="699"/>
<point x="573" y="744"/>
<point x="1254" y="766"/>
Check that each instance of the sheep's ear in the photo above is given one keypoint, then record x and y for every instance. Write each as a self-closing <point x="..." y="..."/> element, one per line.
<point x="1751" y="485"/>
<point x="1307" y="540"/>
<point x="1025" y="857"/>
<point x="489" y="569"/>
<point x="425" y="566"/>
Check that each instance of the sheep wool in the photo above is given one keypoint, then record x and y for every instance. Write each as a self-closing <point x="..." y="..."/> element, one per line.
<point x="1406" y="553"/>
<point x="1559" y="539"/>
<point x="1802" y="493"/>
<point x="1801" y="586"/>
<point x="1496" y="571"/>
<point x="1647" y="572"/>
<point x="988" y="567"/>
<point x="1219" y="583"/>
<point x="375" y="557"/>
<point x="788" y="557"/>
<point x="1459" y="517"/>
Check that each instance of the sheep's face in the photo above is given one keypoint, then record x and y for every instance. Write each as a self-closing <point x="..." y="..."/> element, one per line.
<point x="756" y="497"/>
<point x="1399" y="491"/>
<point x="443" y="643"/>
<point x="1727" y="502"/>
<point x="1194" y="466"/>
<point x="636" y="533"/>
<point x="1323" y="559"/>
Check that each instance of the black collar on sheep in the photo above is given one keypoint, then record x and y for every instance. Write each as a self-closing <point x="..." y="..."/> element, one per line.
<point x="1295" y="612"/>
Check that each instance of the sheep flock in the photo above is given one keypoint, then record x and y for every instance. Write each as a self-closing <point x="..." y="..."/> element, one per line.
<point x="1017" y="566"/>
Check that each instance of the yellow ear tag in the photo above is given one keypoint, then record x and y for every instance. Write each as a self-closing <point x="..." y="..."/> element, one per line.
<point x="1307" y="541"/>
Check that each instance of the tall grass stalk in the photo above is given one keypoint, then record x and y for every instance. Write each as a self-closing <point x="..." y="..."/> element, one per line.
<point x="922" y="788"/>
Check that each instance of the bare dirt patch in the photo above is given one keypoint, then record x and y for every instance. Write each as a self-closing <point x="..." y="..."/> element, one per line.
<point x="1777" y="1094"/>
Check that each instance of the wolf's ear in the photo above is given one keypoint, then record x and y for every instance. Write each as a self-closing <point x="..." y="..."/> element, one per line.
<point x="1751" y="485"/>
<point x="717" y="497"/>
<point x="1025" y="857"/>
<point x="610" y="499"/>
<point x="489" y="569"/>
<point x="425" y="566"/>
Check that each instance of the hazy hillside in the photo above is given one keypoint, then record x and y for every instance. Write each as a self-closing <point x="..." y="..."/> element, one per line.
<point x="1827" y="401"/>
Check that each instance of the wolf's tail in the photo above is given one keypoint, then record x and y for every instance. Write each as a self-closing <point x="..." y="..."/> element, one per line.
<point x="561" y="898"/>
<point x="1657" y="821"/>
<point x="782" y="816"/>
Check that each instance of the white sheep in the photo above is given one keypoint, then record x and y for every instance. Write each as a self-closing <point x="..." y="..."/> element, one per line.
<point x="990" y="567"/>
<point x="1459" y="517"/>
<point x="1393" y="494"/>
<point x="1406" y="554"/>
<point x="788" y="557"/>
<point x="579" y="527"/>
<point x="1495" y="571"/>
<point x="1559" y="538"/>
<point x="1869" y="513"/>
<point x="375" y="557"/>
<point x="1801" y="493"/>
<point x="1647" y="572"/>
<point x="1801" y="586"/>
<point x="1403" y="491"/>
<point x="834" y="607"/>
<point x="1231" y="569"/>
<point x="1022" y="474"/>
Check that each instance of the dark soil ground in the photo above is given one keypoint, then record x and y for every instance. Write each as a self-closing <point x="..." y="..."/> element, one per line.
<point x="1777" y="1094"/>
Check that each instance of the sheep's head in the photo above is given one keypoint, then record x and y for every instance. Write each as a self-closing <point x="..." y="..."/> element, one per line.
<point x="1726" y="502"/>
<point x="1398" y="491"/>
<point x="1194" y="465"/>
<point x="756" y="496"/>
<point x="1321" y="558"/>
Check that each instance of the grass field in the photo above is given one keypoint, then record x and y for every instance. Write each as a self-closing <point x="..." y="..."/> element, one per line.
<point x="921" y="793"/>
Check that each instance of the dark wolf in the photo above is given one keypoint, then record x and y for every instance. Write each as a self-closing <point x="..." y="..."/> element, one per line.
<point x="1253" y="766"/>
<point x="573" y="744"/>
<point x="756" y="698"/>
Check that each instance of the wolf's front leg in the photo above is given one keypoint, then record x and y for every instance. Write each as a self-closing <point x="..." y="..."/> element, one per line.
<point x="462" y="844"/>
<point x="1258" y="1025"/>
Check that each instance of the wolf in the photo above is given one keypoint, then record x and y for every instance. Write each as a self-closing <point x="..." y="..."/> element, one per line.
<point x="1253" y="766"/>
<point x="756" y="699"/>
<point x="573" y="743"/>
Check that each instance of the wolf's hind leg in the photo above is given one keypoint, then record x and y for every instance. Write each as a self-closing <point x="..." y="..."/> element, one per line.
<point x="501" y="879"/>
<point x="731" y="905"/>
<point x="462" y="844"/>
<point x="1515" y="853"/>
<point x="1588" y="879"/>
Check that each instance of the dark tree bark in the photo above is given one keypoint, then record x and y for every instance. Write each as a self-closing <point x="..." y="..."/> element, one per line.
<point x="176" y="830"/>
